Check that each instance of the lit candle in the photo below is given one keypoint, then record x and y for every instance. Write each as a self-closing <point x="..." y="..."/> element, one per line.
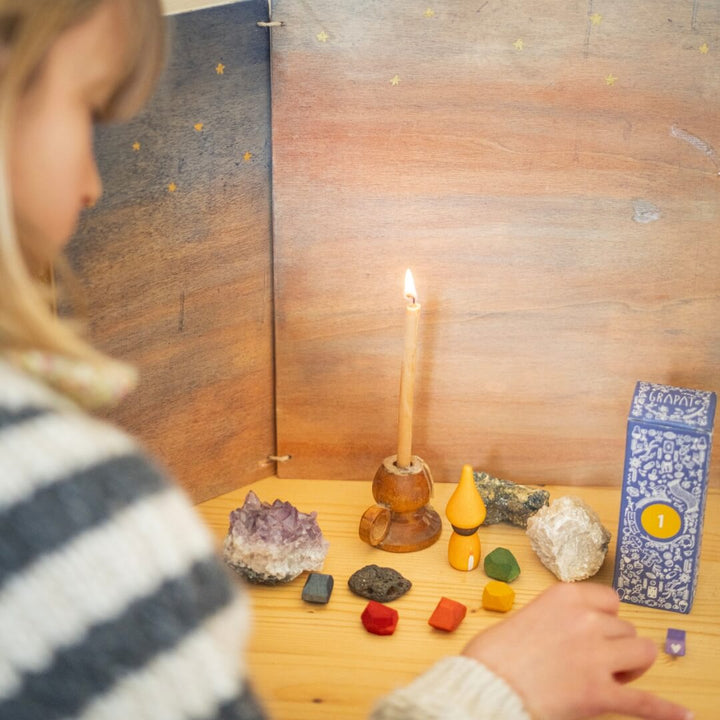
<point x="407" y="374"/>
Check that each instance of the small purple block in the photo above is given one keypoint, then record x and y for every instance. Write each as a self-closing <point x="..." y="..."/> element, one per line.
<point x="318" y="588"/>
<point x="675" y="642"/>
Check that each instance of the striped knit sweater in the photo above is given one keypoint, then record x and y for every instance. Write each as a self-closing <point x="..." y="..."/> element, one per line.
<point x="113" y="605"/>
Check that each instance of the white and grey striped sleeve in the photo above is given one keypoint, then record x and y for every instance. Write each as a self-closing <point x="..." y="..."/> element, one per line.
<point x="113" y="604"/>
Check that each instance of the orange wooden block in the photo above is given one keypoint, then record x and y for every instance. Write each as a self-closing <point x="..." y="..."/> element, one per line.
<point x="498" y="596"/>
<point x="448" y="614"/>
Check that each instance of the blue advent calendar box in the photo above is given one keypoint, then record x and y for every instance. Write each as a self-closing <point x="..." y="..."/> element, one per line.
<point x="669" y="436"/>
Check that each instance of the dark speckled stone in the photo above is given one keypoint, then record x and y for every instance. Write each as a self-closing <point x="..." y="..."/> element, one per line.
<point x="378" y="583"/>
<point x="505" y="501"/>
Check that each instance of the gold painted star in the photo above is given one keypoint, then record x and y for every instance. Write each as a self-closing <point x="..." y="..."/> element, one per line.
<point x="220" y="69"/>
<point x="519" y="44"/>
<point x="247" y="156"/>
<point x="395" y="80"/>
<point x="596" y="18"/>
<point x="610" y="79"/>
<point x="136" y="146"/>
<point x="704" y="49"/>
<point x="172" y="187"/>
<point x="198" y="127"/>
<point x="322" y="36"/>
<point x="429" y="13"/>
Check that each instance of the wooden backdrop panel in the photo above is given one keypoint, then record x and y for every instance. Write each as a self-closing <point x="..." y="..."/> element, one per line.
<point x="548" y="172"/>
<point x="176" y="258"/>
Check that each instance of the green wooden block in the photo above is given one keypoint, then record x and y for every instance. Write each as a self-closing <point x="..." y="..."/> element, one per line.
<point x="501" y="564"/>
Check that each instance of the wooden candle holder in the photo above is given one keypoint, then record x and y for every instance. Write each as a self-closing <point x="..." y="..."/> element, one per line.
<point x="402" y="521"/>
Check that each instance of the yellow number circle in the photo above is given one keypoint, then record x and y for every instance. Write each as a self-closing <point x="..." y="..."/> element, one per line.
<point x="661" y="521"/>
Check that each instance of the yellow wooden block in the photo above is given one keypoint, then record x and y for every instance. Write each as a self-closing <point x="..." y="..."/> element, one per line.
<point x="498" y="596"/>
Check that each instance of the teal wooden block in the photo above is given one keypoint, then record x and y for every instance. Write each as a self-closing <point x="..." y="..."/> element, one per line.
<point x="318" y="588"/>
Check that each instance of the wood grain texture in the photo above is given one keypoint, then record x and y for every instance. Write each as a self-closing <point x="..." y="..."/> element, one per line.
<point x="176" y="259"/>
<point x="312" y="662"/>
<point x="508" y="152"/>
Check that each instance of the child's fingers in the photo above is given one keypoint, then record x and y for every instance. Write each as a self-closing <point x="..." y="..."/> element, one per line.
<point x="627" y="676"/>
<point x="600" y="597"/>
<point x="631" y="655"/>
<point x="639" y="704"/>
<point x="614" y="627"/>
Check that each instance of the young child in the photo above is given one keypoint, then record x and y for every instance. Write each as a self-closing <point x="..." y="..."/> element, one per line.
<point x="113" y="605"/>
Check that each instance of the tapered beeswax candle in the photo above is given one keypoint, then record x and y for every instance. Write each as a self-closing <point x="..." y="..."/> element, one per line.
<point x="407" y="373"/>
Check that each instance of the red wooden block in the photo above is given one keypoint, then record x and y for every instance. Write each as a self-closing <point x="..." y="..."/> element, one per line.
<point x="379" y="619"/>
<point x="448" y="614"/>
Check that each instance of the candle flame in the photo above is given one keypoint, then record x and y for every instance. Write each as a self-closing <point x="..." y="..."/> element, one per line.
<point x="410" y="292"/>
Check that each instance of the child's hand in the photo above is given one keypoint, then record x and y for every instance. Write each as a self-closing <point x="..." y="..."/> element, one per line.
<point x="568" y="655"/>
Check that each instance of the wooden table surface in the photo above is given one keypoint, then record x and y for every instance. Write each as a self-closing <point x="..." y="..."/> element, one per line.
<point x="315" y="662"/>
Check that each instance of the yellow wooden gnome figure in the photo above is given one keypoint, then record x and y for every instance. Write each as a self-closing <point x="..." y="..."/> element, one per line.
<point x="466" y="512"/>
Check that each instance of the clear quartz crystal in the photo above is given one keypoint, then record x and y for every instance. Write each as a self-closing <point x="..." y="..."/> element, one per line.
<point x="569" y="538"/>
<point x="271" y="544"/>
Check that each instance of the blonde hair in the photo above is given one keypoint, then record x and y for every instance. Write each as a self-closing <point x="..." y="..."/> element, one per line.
<point x="28" y="29"/>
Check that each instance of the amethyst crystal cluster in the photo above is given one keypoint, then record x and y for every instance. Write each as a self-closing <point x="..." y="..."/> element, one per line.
<point x="271" y="544"/>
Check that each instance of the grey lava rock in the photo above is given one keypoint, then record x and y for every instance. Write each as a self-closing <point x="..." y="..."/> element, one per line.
<point x="378" y="583"/>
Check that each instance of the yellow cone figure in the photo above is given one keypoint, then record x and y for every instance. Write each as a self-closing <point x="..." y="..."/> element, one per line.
<point x="466" y="512"/>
